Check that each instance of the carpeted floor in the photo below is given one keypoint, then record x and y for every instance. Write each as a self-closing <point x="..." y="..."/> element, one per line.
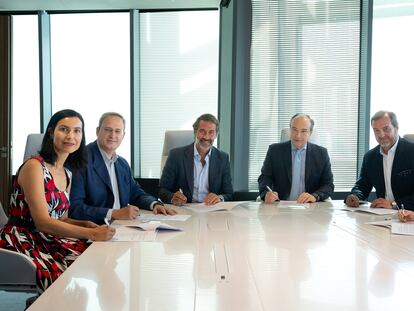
<point x="13" y="301"/>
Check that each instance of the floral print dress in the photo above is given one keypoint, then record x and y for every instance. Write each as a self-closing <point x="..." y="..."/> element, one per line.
<point x="51" y="254"/>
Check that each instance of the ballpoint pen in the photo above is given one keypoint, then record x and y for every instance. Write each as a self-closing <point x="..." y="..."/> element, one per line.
<point x="401" y="209"/>
<point x="181" y="191"/>
<point x="268" y="188"/>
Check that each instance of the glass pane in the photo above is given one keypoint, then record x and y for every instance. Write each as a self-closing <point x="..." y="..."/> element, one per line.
<point x="179" y="76"/>
<point x="305" y="59"/>
<point x="90" y="68"/>
<point x="25" y="84"/>
<point x="393" y="62"/>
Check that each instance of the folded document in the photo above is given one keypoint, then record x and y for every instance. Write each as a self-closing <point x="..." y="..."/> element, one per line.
<point x="146" y="225"/>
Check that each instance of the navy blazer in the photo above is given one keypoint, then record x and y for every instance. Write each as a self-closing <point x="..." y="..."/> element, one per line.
<point x="277" y="171"/>
<point x="178" y="173"/>
<point x="402" y="175"/>
<point x="91" y="195"/>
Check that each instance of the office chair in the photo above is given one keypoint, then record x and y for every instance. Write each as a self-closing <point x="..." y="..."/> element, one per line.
<point x="174" y="139"/>
<point x="285" y="135"/>
<point x="17" y="271"/>
<point x="33" y="144"/>
<point x="409" y="137"/>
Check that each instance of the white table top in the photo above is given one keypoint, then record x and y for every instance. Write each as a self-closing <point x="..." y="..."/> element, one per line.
<point x="255" y="257"/>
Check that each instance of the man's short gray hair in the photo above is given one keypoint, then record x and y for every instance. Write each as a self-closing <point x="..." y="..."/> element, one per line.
<point x="303" y="115"/>
<point x="383" y="113"/>
<point x="111" y="114"/>
<point x="208" y="118"/>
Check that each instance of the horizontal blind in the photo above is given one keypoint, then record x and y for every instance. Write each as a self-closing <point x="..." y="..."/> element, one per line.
<point x="179" y="77"/>
<point x="305" y="59"/>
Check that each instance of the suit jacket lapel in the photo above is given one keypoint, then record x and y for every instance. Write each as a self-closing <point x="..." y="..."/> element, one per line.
<point x="100" y="167"/>
<point x="189" y="166"/>
<point x="213" y="169"/>
<point x="308" y="164"/>
<point x="287" y="158"/>
<point x="120" y="177"/>
<point x="378" y="163"/>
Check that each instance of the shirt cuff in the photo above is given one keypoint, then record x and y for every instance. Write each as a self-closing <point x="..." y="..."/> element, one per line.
<point x="109" y="214"/>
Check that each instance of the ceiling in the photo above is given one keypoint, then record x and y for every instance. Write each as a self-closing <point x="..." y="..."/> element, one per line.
<point x="75" y="5"/>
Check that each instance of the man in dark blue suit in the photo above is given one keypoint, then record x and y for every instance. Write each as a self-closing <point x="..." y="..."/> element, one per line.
<point x="106" y="188"/>
<point x="198" y="172"/>
<point x="297" y="169"/>
<point x="389" y="167"/>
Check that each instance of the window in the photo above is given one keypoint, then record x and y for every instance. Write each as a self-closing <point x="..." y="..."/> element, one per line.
<point x="392" y="61"/>
<point x="25" y="84"/>
<point x="178" y="77"/>
<point x="305" y="59"/>
<point x="90" y="68"/>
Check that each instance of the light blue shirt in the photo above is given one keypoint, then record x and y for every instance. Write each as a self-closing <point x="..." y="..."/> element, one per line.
<point x="301" y="187"/>
<point x="110" y="166"/>
<point x="200" y="190"/>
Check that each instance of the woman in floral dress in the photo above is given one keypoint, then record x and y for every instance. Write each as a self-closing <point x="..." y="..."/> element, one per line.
<point x="38" y="225"/>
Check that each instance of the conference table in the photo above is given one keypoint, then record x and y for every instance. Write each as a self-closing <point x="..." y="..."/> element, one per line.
<point x="254" y="257"/>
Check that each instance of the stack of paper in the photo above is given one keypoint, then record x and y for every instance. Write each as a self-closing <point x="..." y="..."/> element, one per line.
<point x="366" y="209"/>
<point x="135" y="231"/>
<point x="203" y="208"/>
<point x="405" y="228"/>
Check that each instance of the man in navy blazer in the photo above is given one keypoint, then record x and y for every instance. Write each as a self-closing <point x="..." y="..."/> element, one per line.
<point x="389" y="167"/>
<point x="198" y="172"/>
<point x="315" y="180"/>
<point x="106" y="188"/>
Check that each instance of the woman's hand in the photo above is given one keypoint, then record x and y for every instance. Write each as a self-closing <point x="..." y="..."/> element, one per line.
<point x="102" y="233"/>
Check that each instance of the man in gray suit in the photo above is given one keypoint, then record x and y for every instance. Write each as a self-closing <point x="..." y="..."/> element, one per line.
<point x="297" y="169"/>
<point x="198" y="172"/>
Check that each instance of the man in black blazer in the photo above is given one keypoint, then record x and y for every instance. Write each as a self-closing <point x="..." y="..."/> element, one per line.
<point x="315" y="175"/>
<point x="198" y="172"/>
<point x="389" y="167"/>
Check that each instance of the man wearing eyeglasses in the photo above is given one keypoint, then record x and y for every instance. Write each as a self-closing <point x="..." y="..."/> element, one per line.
<point x="106" y="188"/>
<point x="389" y="167"/>
<point x="296" y="170"/>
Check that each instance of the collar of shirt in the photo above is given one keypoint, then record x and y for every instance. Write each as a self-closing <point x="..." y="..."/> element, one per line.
<point x="107" y="158"/>
<point x="294" y="148"/>
<point x="198" y="156"/>
<point x="392" y="149"/>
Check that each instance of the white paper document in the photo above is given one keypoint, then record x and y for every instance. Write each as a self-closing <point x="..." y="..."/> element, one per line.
<point x="221" y="206"/>
<point x="292" y="204"/>
<point x="146" y="225"/>
<point x="128" y="234"/>
<point x="404" y="228"/>
<point x="381" y="223"/>
<point x="159" y="217"/>
<point x="366" y="209"/>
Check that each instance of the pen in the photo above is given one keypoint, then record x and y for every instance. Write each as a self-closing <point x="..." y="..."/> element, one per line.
<point x="107" y="222"/>
<point x="268" y="188"/>
<point x="401" y="209"/>
<point x="181" y="191"/>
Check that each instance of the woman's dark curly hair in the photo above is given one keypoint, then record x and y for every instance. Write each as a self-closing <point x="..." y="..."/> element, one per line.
<point x="76" y="160"/>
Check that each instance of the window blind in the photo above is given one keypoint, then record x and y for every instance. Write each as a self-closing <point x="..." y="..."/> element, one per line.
<point x="305" y="59"/>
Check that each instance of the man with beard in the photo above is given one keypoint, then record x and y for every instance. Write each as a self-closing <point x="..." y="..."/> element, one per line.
<point x="389" y="167"/>
<point x="198" y="172"/>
